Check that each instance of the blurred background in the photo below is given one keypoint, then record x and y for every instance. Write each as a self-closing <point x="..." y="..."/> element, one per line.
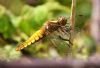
<point x="19" y="19"/>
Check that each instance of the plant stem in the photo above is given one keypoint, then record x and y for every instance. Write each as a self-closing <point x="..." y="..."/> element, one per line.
<point x="72" y="18"/>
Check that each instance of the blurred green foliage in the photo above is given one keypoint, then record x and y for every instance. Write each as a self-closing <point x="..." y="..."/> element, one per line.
<point x="18" y="22"/>
<point x="83" y="46"/>
<point x="83" y="13"/>
<point x="8" y="53"/>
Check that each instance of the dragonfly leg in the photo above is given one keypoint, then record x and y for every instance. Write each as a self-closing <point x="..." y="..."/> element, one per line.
<point x="67" y="28"/>
<point x="70" y="43"/>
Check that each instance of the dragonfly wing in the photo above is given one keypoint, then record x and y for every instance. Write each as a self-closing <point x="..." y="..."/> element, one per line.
<point x="54" y="38"/>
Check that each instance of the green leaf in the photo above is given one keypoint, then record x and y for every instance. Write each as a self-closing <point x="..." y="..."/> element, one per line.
<point x="25" y="27"/>
<point x="3" y="24"/>
<point x="15" y="20"/>
<point x="6" y="27"/>
<point x="2" y="10"/>
<point x="40" y="15"/>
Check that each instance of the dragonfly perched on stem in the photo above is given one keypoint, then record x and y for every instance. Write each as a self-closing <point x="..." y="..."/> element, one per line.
<point x="48" y="28"/>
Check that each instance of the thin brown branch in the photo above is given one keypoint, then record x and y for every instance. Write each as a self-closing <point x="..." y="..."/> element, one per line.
<point x="72" y="17"/>
<point x="73" y="13"/>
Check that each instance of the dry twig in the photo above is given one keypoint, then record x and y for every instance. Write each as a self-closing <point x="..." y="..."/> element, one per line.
<point x="72" y="17"/>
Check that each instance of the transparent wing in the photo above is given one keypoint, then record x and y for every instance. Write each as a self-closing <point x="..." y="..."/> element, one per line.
<point x="59" y="40"/>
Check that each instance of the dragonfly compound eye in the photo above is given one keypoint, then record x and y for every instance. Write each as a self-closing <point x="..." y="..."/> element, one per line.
<point x="62" y="21"/>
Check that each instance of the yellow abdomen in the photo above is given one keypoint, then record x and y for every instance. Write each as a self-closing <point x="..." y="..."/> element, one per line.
<point x="35" y="37"/>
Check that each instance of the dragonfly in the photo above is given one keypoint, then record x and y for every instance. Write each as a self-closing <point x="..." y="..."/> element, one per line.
<point x="57" y="27"/>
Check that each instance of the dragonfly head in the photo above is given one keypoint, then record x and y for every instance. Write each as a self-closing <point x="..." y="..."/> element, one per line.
<point x="52" y="26"/>
<point x="62" y="21"/>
